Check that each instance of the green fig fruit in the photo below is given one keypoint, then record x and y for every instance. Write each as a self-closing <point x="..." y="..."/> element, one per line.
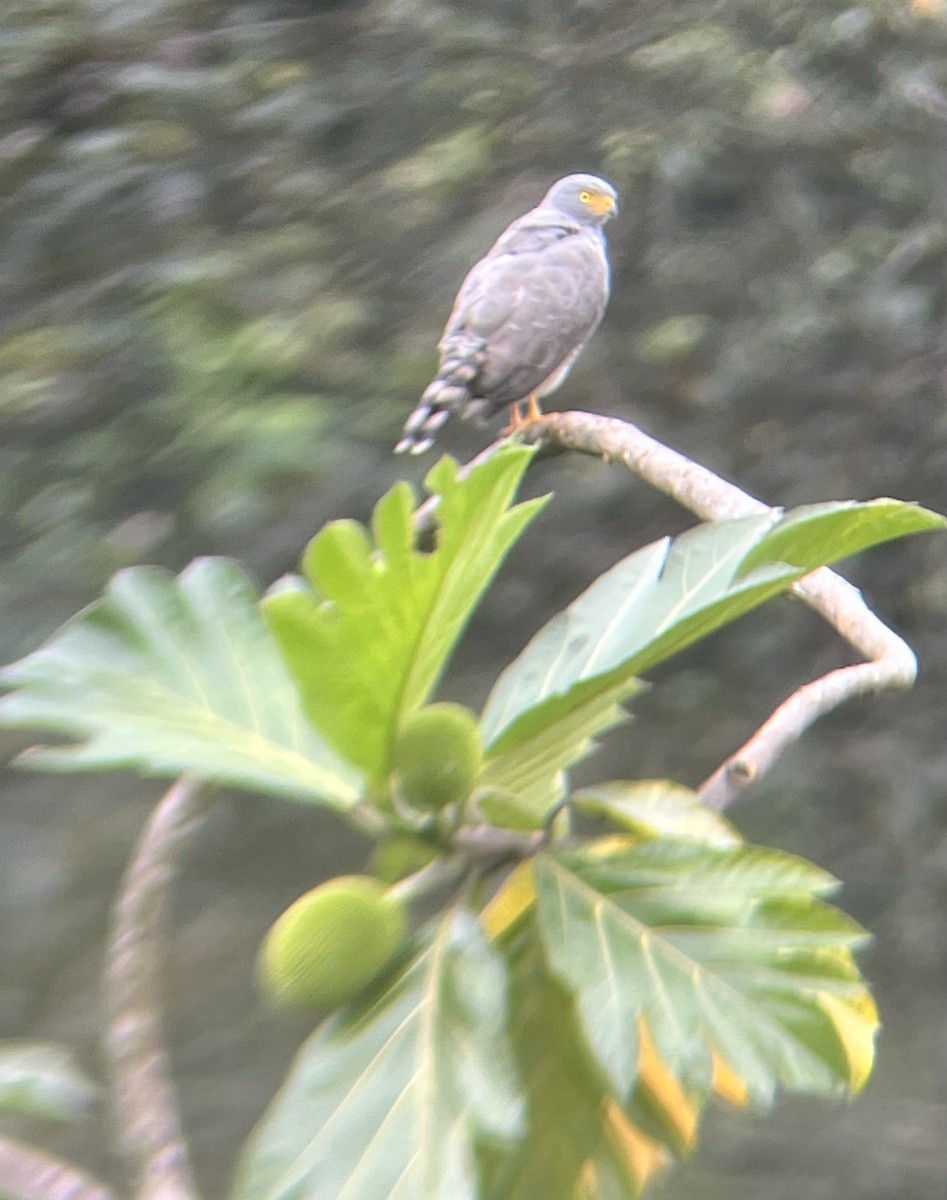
<point x="437" y="756"/>
<point x="331" y="943"/>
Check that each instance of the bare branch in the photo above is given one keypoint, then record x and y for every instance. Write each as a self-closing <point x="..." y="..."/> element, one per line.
<point x="891" y="663"/>
<point x="30" y="1174"/>
<point x="145" y="1109"/>
<point x="891" y="666"/>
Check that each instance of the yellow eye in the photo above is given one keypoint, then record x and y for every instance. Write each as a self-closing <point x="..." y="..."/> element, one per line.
<point x="585" y="197"/>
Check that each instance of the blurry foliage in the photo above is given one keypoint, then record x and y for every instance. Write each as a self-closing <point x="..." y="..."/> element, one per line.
<point x="234" y="223"/>
<point x="38" y="1080"/>
<point x="628" y="972"/>
<point x="231" y="232"/>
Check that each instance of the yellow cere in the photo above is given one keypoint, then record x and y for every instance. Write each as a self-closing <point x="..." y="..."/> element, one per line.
<point x="598" y="202"/>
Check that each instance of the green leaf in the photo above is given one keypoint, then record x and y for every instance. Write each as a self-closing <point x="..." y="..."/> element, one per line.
<point x="367" y="644"/>
<point x="173" y="676"/>
<point x="656" y="808"/>
<point x="397" y="1099"/>
<point x="817" y="534"/>
<point x="529" y="760"/>
<point x="38" y="1080"/>
<point x="580" y="1145"/>
<point x="713" y="951"/>
<point x="564" y="1092"/>
<point x="672" y="592"/>
<point x="666" y="596"/>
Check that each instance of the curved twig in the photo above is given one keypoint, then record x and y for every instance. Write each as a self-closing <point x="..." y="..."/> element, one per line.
<point x="145" y="1111"/>
<point x="891" y="663"/>
<point x="30" y="1174"/>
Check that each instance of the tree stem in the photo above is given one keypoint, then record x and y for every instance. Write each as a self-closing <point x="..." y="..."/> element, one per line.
<point x="30" y="1174"/>
<point x="144" y="1105"/>
<point x="890" y="661"/>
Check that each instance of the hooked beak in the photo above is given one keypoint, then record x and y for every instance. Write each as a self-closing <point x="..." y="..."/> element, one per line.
<point x="603" y="205"/>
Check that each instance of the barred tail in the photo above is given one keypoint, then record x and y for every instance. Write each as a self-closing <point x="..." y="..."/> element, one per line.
<point x="440" y="399"/>
<point x="449" y="392"/>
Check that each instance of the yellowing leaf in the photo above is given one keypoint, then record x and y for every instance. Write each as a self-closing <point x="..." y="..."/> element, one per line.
<point x="718" y="949"/>
<point x="727" y="1084"/>
<point x="656" y="808"/>
<point x="564" y="1094"/>
<point x="615" y="843"/>
<point x="645" y="1157"/>
<point x="587" y="1187"/>
<point x="677" y="1111"/>
<point x="856" y="1023"/>
<point x="512" y="901"/>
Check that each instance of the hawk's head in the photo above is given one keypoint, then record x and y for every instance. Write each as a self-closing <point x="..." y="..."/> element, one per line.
<point x="585" y="198"/>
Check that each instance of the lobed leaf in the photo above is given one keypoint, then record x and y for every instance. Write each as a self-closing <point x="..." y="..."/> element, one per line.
<point x="397" y="1100"/>
<point x="725" y="952"/>
<point x="568" y="1150"/>
<point x="610" y="626"/>
<point x="511" y="902"/>
<point x="367" y="639"/>
<point x="173" y="676"/>
<point x="624" y="1161"/>
<point x="662" y="598"/>
<point x="530" y="759"/>
<point x="816" y="534"/>
<point x="659" y="1103"/>
<point x="656" y="808"/>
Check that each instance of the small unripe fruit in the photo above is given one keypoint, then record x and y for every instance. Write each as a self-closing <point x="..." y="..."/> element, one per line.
<point x="331" y="943"/>
<point x="437" y="756"/>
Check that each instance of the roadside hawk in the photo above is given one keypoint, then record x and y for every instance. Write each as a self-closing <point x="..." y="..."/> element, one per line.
<point x="524" y="313"/>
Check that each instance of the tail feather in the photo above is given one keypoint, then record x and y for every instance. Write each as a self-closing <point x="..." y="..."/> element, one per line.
<point x="437" y="404"/>
<point x="449" y="392"/>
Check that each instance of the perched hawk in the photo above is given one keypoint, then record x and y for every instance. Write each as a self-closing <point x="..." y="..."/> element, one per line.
<point x="524" y="313"/>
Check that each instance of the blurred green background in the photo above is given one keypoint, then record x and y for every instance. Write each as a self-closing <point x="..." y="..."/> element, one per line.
<point x="231" y="233"/>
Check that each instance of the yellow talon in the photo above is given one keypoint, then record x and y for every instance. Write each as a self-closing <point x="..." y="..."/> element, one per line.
<point x="533" y="411"/>
<point x="516" y="421"/>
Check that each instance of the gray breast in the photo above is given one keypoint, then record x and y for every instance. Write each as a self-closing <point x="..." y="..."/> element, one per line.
<point x="531" y="312"/>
